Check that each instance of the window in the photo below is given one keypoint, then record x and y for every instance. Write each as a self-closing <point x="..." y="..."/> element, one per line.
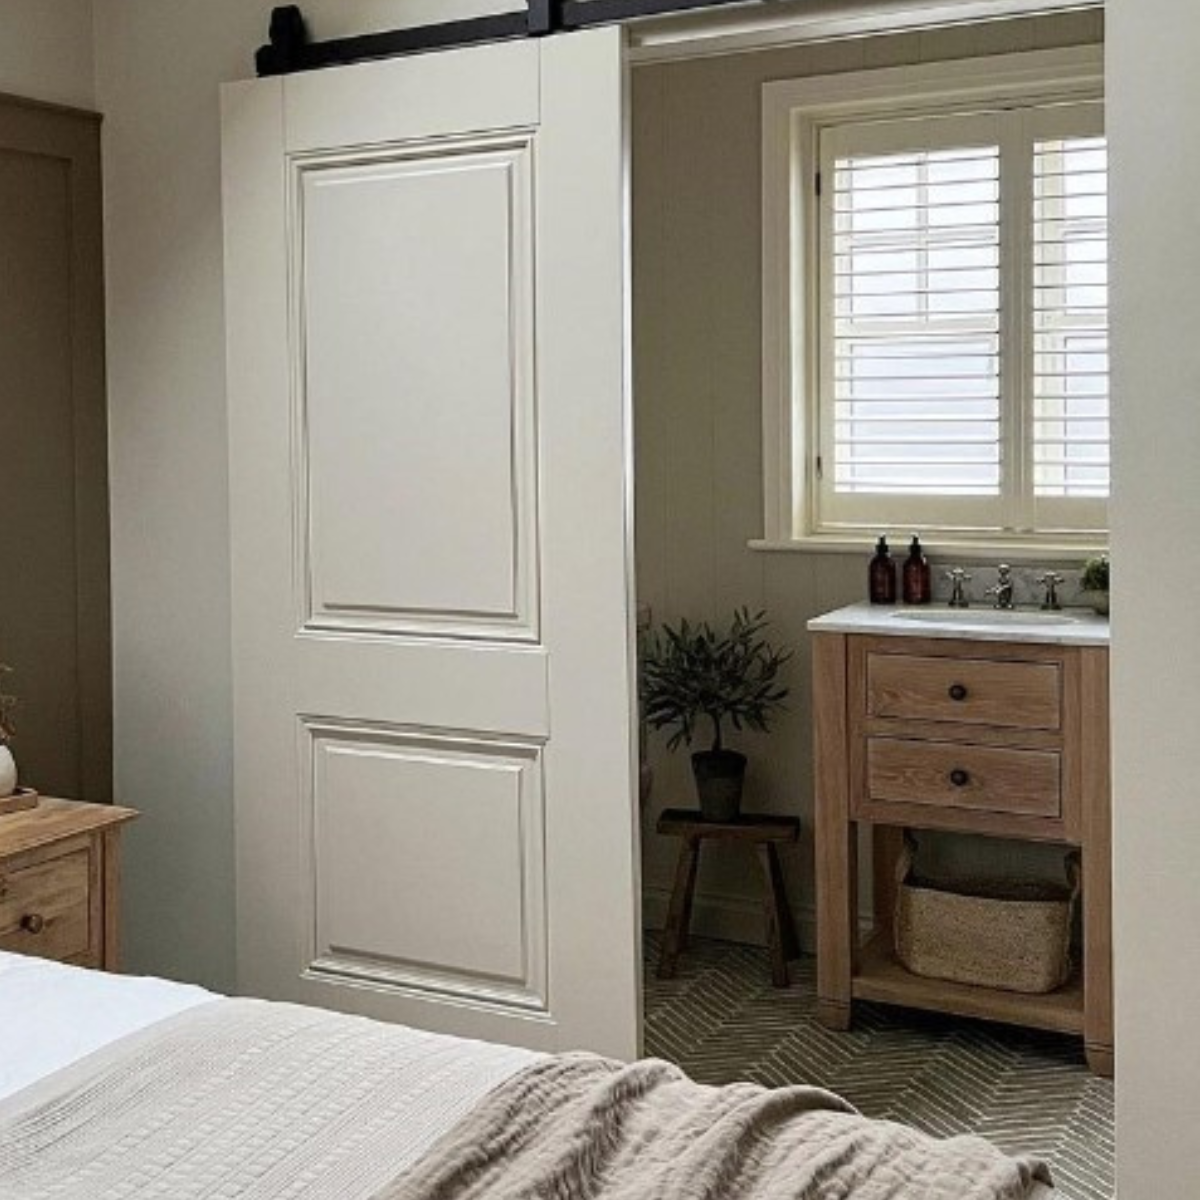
<point x="943" y="275"/>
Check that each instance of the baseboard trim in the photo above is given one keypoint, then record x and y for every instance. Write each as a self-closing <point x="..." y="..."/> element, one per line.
<point x="734" y="918"/>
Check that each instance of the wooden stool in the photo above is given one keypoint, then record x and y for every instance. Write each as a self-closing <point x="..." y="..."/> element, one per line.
<point x="763" y="833"/>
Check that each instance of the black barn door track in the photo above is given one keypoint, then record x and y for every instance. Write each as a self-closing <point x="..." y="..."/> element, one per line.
<point x="290" y="48"/>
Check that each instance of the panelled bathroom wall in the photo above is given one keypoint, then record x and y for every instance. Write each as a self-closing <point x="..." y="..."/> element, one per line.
<point x="697" y="377"/>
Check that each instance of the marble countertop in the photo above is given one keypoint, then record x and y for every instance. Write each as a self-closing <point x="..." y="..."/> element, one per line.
<point x="1071" y="627"/>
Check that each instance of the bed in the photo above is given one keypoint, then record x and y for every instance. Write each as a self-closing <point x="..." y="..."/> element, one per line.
<point x="118" y="1087"/>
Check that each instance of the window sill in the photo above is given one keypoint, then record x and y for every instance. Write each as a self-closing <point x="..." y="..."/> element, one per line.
<point x="942" y="546"/>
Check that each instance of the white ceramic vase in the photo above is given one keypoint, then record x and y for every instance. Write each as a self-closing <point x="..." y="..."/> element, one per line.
<point x="8" y="772"/>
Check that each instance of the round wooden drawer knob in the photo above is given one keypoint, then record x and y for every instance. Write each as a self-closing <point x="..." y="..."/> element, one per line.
<point x="33" y="923"/>
<point x="958" y="691"/>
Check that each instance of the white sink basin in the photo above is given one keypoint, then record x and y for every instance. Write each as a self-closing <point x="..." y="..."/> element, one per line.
<point x="1071" y="627"/>
<point x="985" y="616"/>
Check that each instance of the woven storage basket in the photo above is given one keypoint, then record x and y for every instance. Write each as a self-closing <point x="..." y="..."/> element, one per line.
<point x="1008" y="935"/>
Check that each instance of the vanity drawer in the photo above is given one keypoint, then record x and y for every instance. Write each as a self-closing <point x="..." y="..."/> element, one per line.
<point x="974" y="778"/>
<point x="965" y="691"/>
<point x="45" y="907"/>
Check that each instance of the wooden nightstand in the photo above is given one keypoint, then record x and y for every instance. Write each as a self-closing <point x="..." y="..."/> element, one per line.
<point x="59" y="882"/>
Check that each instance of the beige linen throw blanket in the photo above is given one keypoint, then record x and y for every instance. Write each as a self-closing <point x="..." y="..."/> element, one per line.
<point x="242" y="1100"/>
<point x="577" y="1127"/>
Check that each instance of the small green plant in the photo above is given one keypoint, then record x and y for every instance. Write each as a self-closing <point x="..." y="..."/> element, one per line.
<point x="1095" y="574"/>
<point x="692" y="673"/>
<point x="7" y="705"/>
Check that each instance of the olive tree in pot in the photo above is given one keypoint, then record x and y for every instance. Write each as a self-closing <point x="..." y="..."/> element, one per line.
<point x="694" y="675"/>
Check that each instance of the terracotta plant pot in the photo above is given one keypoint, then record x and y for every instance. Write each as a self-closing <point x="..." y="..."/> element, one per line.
<point x="720" y="775"/>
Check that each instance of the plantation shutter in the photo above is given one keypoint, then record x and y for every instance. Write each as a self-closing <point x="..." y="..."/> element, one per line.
<point x="962" y="349"/>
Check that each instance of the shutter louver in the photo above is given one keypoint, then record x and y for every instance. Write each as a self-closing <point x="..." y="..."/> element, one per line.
<point x="1070" y="318"/>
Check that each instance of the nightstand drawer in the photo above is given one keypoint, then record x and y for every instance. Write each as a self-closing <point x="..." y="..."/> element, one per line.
<point x="45" y="908"/>
<point x="973" y="778"/>
<point x="966" y="691"/>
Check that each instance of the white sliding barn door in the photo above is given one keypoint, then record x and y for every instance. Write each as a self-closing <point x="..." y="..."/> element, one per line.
<point x="431" y="537"/>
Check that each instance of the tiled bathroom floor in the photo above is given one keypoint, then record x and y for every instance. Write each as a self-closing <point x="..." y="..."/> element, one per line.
<point x="1030" y="1092"/>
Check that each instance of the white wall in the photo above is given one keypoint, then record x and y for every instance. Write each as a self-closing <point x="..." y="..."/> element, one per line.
<point x="1154" y="130"/>
<point x="158" y="67"/>
<point x="698" y="395"/>
<point x="46" y="51"/>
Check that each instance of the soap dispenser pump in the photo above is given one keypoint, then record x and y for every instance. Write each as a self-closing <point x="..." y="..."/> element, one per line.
<point x="882" y="575"/>
<point x="918" y="579"/>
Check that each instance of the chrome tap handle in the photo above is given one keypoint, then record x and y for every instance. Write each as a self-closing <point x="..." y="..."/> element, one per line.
<point x="1002" y="592"/>
<point x="958" y="596"/>
<point x="1051" y="581"/>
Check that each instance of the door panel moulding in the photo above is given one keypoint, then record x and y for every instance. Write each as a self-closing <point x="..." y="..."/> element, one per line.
<point x="659" y="30"/>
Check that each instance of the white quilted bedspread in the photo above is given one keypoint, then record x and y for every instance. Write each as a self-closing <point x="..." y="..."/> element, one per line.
<point x="240" y="1098"/>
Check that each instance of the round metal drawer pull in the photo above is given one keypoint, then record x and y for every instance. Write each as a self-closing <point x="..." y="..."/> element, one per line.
<point x="33" y="923"/>
<point x="960" y="778"/>
<point x="958" y="691"/>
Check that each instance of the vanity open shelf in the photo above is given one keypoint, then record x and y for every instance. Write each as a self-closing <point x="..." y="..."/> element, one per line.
<point x="879" y="977"/>
<point x="1000" y="730"/>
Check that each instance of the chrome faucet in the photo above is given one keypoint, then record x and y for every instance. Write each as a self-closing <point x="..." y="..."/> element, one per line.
<point x="958" y="596"/>
<point x="1003" y="591"/>
<point x="1051" y="581"/>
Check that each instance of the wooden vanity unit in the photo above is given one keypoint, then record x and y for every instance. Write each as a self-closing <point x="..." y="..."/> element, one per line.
<point x="997" y="728"/>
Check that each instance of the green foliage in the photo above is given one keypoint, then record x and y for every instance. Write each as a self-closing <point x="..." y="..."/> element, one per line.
<point x="691" y="672"/>
<point x="7" y="705"/>
<point x="1095" y="574"/>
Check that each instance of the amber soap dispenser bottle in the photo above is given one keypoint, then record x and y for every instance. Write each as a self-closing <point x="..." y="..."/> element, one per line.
<point x="882" y="575"/>
<point x="918" y="579"/>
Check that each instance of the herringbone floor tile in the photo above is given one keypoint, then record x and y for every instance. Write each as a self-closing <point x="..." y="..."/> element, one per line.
<point x="721" y="1020"/>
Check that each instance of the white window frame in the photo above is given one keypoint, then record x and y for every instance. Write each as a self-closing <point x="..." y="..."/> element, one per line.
<point x="795" y="111"/>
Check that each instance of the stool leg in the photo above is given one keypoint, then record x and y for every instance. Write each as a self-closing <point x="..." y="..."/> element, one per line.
<point x="679" y="915"/>
<point x="779" y="922"/>
<point x="787" y="926"/>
